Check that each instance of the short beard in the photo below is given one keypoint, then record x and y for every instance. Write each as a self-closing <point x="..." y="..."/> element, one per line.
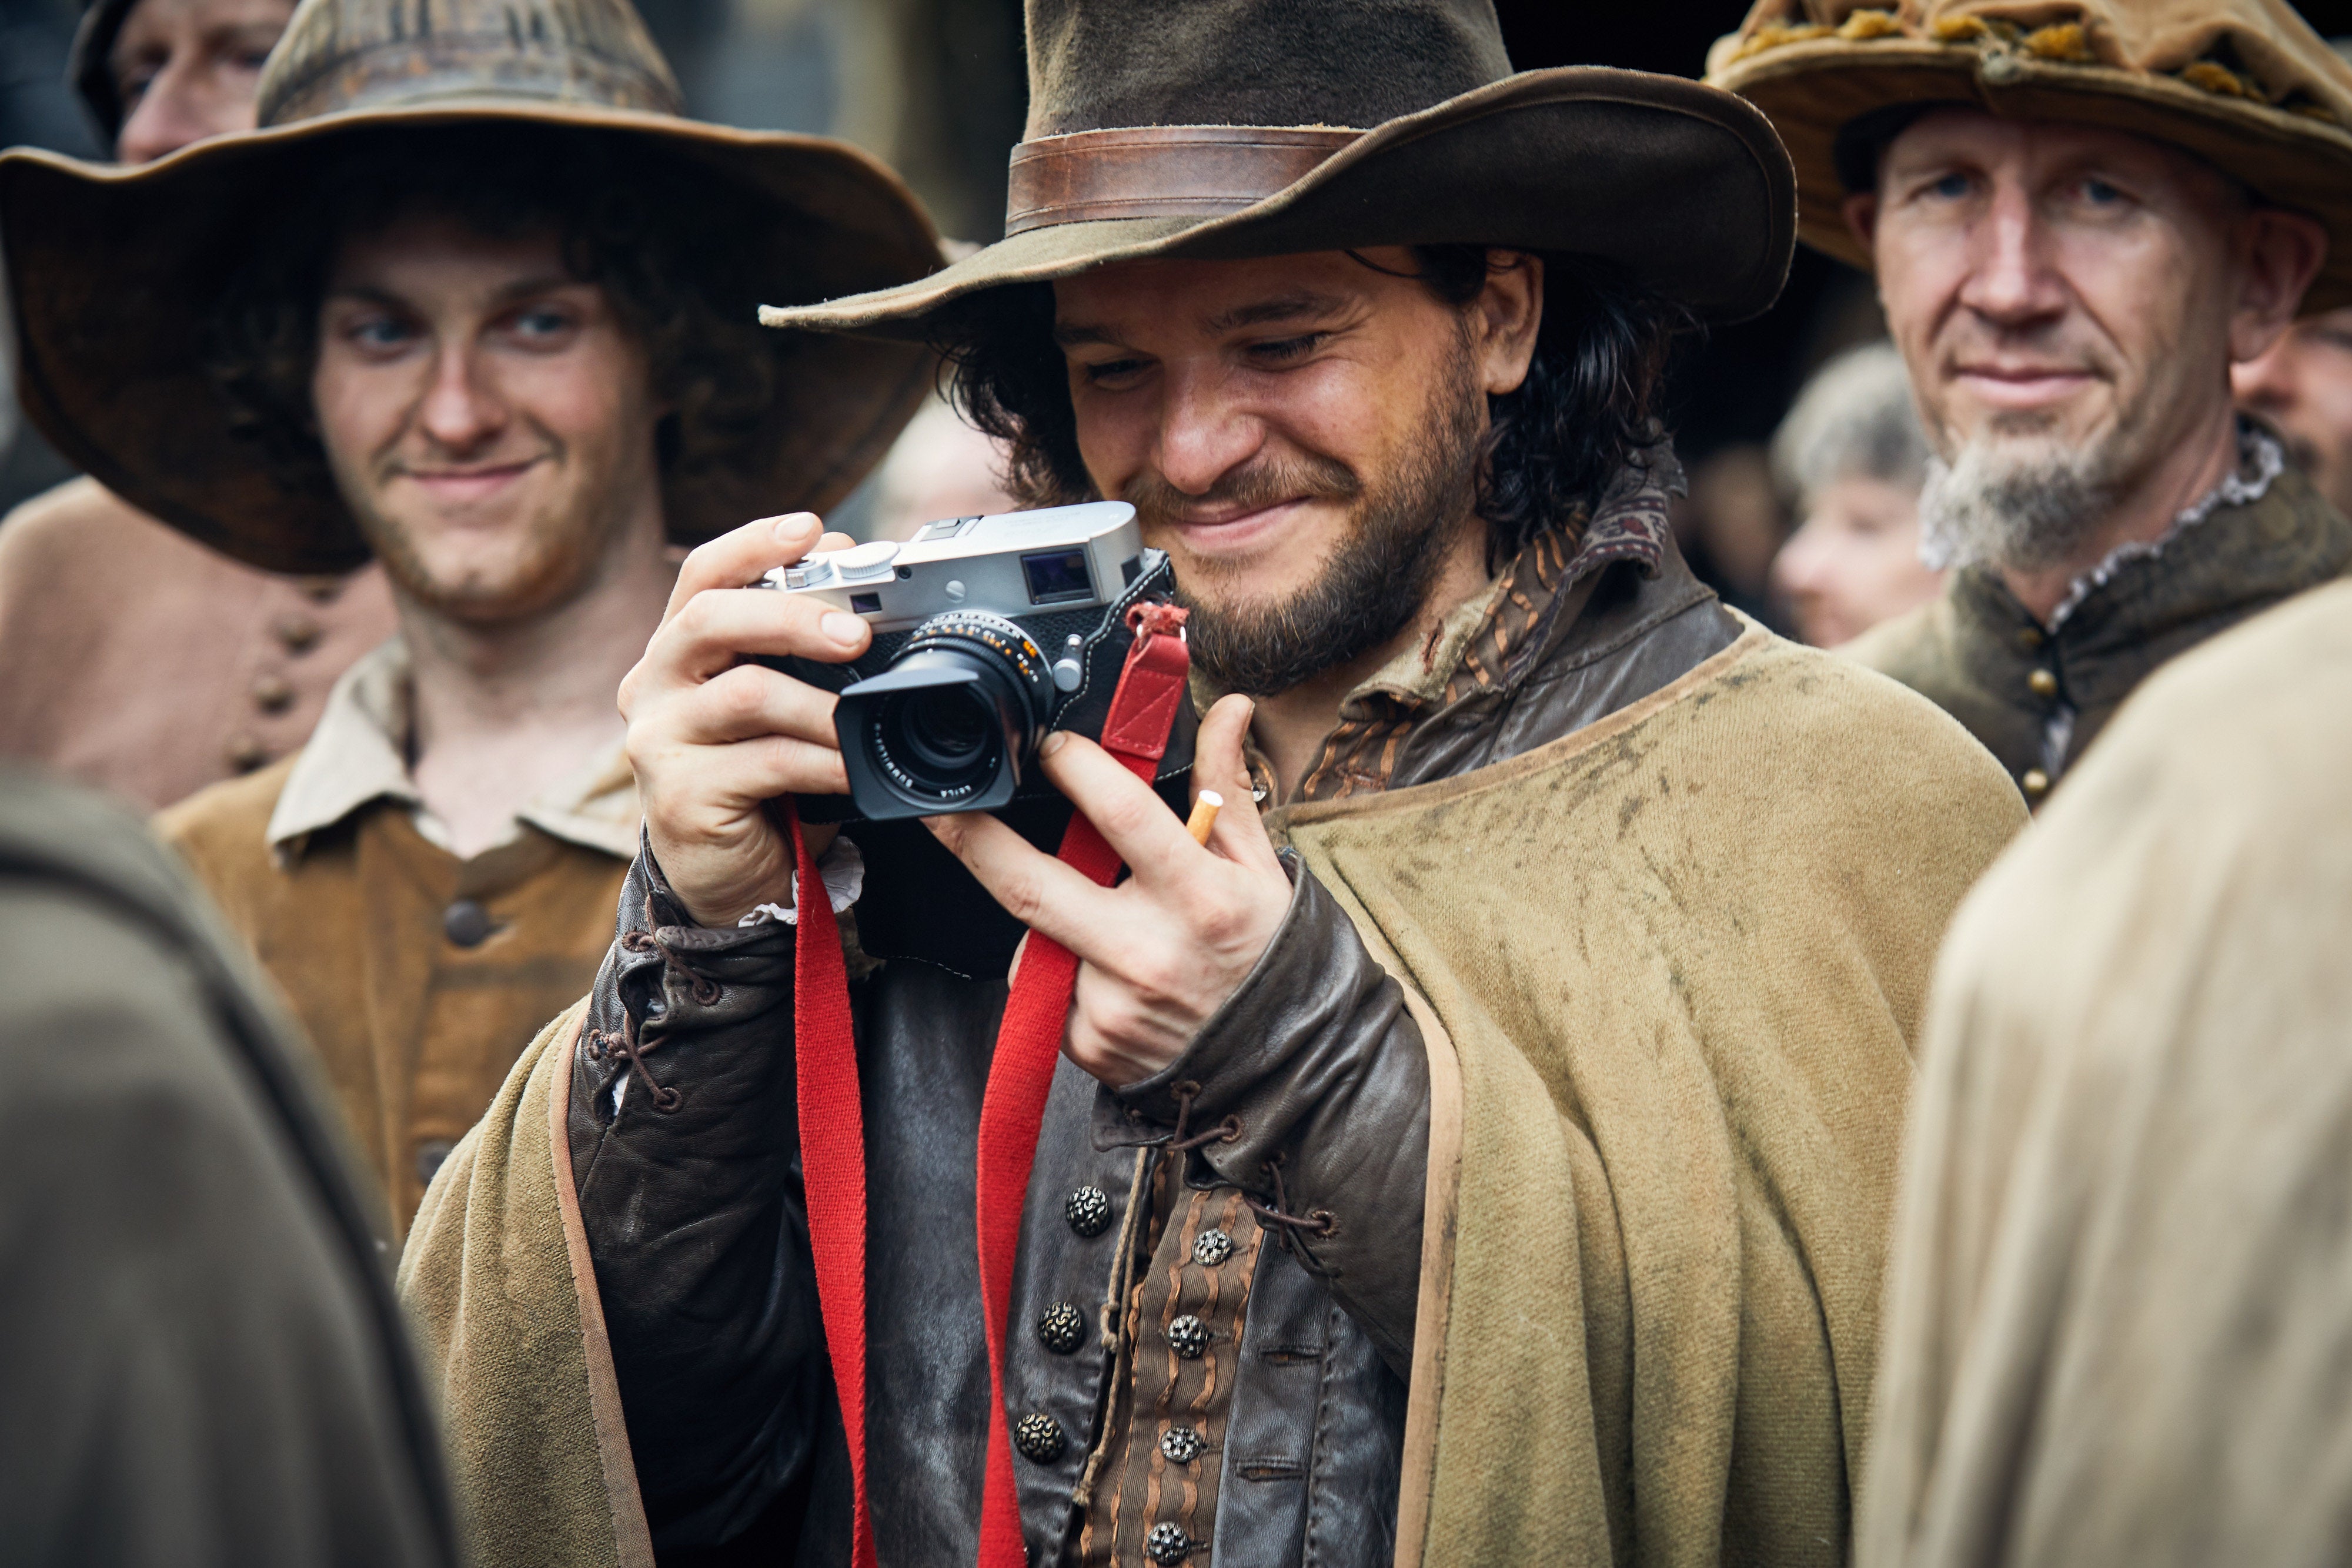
<point x="2017" y="503"/>
<point x="1380" y="573"/>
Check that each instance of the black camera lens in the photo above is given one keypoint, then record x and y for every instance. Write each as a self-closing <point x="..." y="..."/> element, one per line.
<point x="946" y="731"/>
<point x="952" y="723"/>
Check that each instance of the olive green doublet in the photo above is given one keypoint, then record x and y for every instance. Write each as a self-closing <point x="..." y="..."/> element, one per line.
<point x="1668" y="969"/>
<point x="1974" y="651"/>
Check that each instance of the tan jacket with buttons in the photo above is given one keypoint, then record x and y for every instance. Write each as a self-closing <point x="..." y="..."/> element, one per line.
<point x="146" y="665"/>
<point x="419" y="976"/>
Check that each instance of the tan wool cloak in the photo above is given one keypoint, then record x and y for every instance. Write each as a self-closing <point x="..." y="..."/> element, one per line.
<point x="1668" y="969"/>
<point x="2120" y="1300"/>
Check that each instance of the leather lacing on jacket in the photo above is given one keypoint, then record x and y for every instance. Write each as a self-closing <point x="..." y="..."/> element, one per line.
<point x="632" y="1044"/>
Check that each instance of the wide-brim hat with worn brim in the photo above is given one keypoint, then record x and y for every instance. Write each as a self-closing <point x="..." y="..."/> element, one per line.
<point x="113" y="271"/>
<point x="2245" y="85"/>
<point x="1224" y="129"/>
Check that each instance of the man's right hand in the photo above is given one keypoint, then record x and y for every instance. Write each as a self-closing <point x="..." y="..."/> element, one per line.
<point x="713" y="738"/>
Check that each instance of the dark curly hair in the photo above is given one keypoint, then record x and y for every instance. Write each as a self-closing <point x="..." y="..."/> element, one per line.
<point x="624" y="223"/>
<point x="1589" y="403"/>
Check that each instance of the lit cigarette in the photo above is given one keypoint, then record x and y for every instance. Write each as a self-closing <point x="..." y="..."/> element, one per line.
<point x="1204" y="815"/>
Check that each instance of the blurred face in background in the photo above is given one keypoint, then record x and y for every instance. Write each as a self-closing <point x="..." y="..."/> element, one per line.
<point x="186" y="69"/>
<point x="1853" y="561"/>
<point x="2304" y="386"/>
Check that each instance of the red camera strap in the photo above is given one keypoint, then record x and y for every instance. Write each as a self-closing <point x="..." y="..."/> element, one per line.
<point x="833" y="1142"/>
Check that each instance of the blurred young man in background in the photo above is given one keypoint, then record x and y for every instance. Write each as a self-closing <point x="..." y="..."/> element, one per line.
<point x="1852" y="453"/>
<point x="508" y="346"/>
<point x="2073" y="245"/>
<point x="141" y="661"/>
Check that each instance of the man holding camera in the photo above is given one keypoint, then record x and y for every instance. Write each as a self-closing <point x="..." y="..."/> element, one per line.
<point x="1481" y="1151"/>
<point x="481" y="310"/>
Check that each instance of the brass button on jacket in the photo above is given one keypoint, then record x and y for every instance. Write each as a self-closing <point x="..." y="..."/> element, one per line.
<point x="2036" y="783"/>
<point x="1980" y="654"/>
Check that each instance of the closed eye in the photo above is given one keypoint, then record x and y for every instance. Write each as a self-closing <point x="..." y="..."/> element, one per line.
<point x="1283" y="350"/>
<point x="1108" y="372"/>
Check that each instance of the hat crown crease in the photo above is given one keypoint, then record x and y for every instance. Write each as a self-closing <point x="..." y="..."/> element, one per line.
<point x="344" y="54"/>
<point x="1102" y="65"/>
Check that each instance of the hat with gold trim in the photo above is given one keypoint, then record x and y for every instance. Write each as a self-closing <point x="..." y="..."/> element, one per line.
<point x="2245" y="85"/>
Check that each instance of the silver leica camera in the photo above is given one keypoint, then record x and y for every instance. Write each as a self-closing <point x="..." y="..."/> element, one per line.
<point x="990" y="632"/>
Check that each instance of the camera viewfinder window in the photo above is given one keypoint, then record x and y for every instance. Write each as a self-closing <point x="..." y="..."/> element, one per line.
<point x="865" y="604"/>
<point x="1059" y="577"/>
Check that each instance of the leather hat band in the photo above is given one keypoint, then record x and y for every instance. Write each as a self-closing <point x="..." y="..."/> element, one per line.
<point x="1159" y="171"/>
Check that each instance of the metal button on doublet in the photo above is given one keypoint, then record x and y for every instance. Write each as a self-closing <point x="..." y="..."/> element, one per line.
<point x="1212" y="1248"/>
<point x="2031" y="637"/>
<point x="245" y="753"/>
<point x="465" y="923"/>
<point x="1181" y="1444"/>
<point x="2036" y="783"/>
<point x="1167" y="1543"/>
<point x="272" y="694"/>
<point x="2041" y="684"/>
<point x="1188" y="1336"/>
<point x="1087" y="1210"/>
<point x="1039" y="1438"/>
<point x="299" y="633"/>
<point x="1061" y="1328"/>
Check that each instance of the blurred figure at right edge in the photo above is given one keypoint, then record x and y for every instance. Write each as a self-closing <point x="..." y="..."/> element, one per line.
<point x="1852" y="455"/>
<point x="2303" y="387"/>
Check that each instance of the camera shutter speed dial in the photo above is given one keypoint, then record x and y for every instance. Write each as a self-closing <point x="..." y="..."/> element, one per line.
<point x="866" y="563"/>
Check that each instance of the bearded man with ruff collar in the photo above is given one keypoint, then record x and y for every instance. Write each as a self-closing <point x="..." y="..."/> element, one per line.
<point x="2078" y="226"/>
<point x="1480" y="1151"/>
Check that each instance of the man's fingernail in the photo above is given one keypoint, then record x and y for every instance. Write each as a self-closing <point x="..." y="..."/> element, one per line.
<point x="794" y="527"/>
<point x="1052" y="743"/>
<point x="842" y="629"/>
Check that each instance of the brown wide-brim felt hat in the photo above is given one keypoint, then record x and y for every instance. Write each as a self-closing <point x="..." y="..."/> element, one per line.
<point x="2245" y="85"/>
<point x="1229" y="128"/>
<point x="114" y="272"/>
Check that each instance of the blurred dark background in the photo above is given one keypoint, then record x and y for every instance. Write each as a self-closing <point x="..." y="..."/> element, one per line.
<point x="936" y="88"/>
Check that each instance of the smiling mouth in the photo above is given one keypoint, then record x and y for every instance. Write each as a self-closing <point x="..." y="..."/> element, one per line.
<point x="2020" y="385"/>
<point x="468" y="484"/>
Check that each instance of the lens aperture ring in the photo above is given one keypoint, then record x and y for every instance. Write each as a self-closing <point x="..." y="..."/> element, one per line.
<point x="993" y="631"/>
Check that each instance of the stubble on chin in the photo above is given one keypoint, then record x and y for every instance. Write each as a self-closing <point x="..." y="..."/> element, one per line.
<point x="1380" y="572"/>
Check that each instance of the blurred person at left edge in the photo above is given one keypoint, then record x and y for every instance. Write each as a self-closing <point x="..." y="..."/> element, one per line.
<point x="203" y="1364"/>
<point x="141" y="661"/>
<point x="484" y="306"/>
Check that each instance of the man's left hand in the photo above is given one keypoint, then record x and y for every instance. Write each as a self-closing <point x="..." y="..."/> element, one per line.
<point x="1159" y="953"/>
